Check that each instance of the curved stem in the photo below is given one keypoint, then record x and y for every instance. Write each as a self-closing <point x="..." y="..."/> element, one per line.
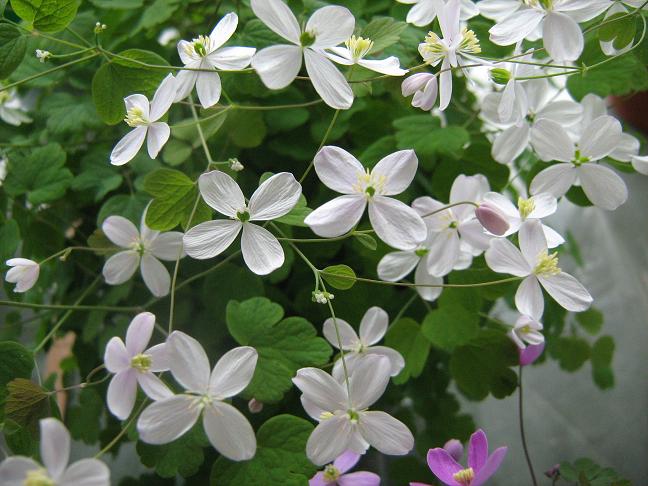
<point x="122" y="432"/>
<point x="326" y="136"/>
<point x="48" y="71"/>
<point x="522" y="435"/>
<point x="413" y="285"/>
<point x="440" y="210"/>
<point x="73" y="307"/>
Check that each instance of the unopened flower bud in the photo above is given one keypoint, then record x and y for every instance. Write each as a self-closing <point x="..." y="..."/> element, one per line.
<point x="454" y="448"/>
<point x="43" y="56"/>
<point x="500" y="75"/>
<point x="492" y="219"/>
<point x="235" y="165"/>
<point x="529" y="354"/>
<point x="554" y="472"/>
<point x="255" y="406"/>
<point x="322" y="297"/>
<point x="99" y="28"/>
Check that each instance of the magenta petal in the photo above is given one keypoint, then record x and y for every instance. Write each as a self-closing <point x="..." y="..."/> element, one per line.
<point x="492" y="465"/>
<point x="420" y="484"/>
<point x="360" y="478"/>
<point x="346" y="461"/>
<point x="454" y="448"/>
<point x="529" y="354"/>
<point x="477" y="450"/>
<point x="443" y="466"/>
<point x="317" y="480"/>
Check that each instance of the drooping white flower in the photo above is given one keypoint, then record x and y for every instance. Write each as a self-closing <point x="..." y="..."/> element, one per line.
<point x="424" y="87"/>
<point x="526" y="330"/>
<point x="425" y="11"/>
<point x="456" y="230"/>
<point x="12" y="108"/>
<point x="373" y="327"/>
<point x="24" y="273"/>
<point x="55" y="454"/>
<point x="345" y="421"/>
<point x="354" y="52"/>
<point x="274" y="198"/>
<point x="577" y="162"/>
<point x="207" y="53"/>
<point x="457" y="45"/>
<point x="144" y="248"/>
<point x="538" y="267"/>
<point x="205" y="393"/>
<point x="143" y="117"/>
<point x="133" y="364"/>
<point x="279" y="65"/>
<point x="537" y="207"/>
<point x="612" y="47"/>
<point x="394" y="222"/>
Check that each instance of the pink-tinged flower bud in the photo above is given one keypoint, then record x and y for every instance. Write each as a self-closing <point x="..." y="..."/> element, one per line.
<point x="255" y="406"/>
<point x="529" y="354"/>
<point x="553" y="472"/>
<point x="414" y="83"/>
<point x="454" y="448"/>
<point x="492" y="219"/>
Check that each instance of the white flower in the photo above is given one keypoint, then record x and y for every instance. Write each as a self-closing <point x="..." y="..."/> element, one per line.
<point x="394" y="222"/>
<point x="143" y="248"/>
<point x="261" y="249"/>
<point x="24" y="273"/>
<point x="456" y="230"/>
<point x="133" y="364"/>
<point x="354" y="52"/>
<point x="610" y="48"/>
<point x="345" y="423"/>
<point x="456" y="45"/>
<point x="640" y="164"/>
<point x="373" y="327"/>
<point x="12" y="108"/>
<point x="55" y="454"/>
<point x="235" y="165"/>
<point x="227" y="429"/>
<point x="526" y="330"/>
<point x="321" y="297"/>
<point x="3" y="169"/>
<point x="279" y="65"/>
<point x="425" y="11"/>
<point x="537" y="207"/>
<point x="143" y="117"/>
<point x="538" y="267"/>
<point x="168" y="35"/>
<point x="43" y="56"/>
<point x="424" y="87"/>
<point x="207" y="53"/>
<point x="577" y="162"/>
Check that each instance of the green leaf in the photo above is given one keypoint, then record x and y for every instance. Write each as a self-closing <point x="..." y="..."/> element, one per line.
<point x="483" y="366"/>
<point x="119" y="78"/>
<point x="117" y="4"/>
<point x="46" y="15"/>
<point x="246" y="128"/>
<point x="424" y="134"/>
<point x="40" y="174"/>
<point x="405" y="336"/>
<point x="84" y="419"/>
<point x="586" y="472"/>
<point x="384" y="32"/>
<point x="601" y="358"/>
<point x="619" y="28"/>
<point x="366" y="240"/>
<point x="12" y="49"/>
<point x="280" y="457"/>
<point x="571" y="352"/>
<point x="16" y="361"/>
<point x="26" y="403"/>
<point x="284" y="346"/>
<point x="175" y="196"/>
<point x="591" y="320"/>
<point x="9" y="239"/>
<point x="157" y="13"/>
<point x="297" y="214"/>
<point x="97" y="176"/>
<point x="341" y="277"/>
<point x="129" y="206"/>
<point x="67" y="113"/>
<point x="448" y="327"/>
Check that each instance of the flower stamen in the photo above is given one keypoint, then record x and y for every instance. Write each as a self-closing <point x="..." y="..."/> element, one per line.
<point x="547" y="264"/>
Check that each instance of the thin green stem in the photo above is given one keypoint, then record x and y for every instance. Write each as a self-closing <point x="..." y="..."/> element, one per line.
<point x="338" y="338"/>
<point x="522" y="434"/>
<point x="414" y="285"/>
<point x="201" y="135"/>
<point x="122" y="432"/>
<point x="324" y="240"/>
<point x="73" y="307"/>
<point x="326" y="136"/>
<point x="78" y="36"/>
<point x="440" y="210"/>
<point x="405" y="307"/>
<point x="208" y="117"/>
<point x="48" y="71"/>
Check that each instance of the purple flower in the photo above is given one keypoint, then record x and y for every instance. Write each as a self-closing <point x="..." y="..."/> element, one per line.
<point x="335" y="474"/>
<point x="481" y="466"/>
<point x="531" y="353"/>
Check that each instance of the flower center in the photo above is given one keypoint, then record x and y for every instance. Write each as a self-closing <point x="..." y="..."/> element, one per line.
<point x="579" y="159"/>
<point x="469" y="43"/>
<point x="465" y="476"/>
<point x="545" y="4"/>
<point x="547" y="264"/>
<point x="370" y="184"/>
<point x="38" y="477"/>
<point x="353" y="416"/>
<point x="200" y="45"/>
<point x="525" y="207"/>
<point x="331" y="473"/>
<point x="139" y="247"/>
<point x="433" y="49"/>
<point x="421" y="252"/>
<point x="135" y="117"/>
<point x="307" y="39"/>
<point x="358" y="46"/>
<point x="243" y="216"/>
<point x="141" y="362"/>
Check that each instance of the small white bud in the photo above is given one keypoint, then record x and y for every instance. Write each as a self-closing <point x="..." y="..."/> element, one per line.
<point x="255" y="406"/>
<point x="236" y="165"/>
<point x="43" y="56"/>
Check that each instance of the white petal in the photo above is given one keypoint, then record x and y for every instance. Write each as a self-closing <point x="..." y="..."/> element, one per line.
<point x="229" y="431"/>
<point x="532" y="241"/>
<point x="208" y="87"/>
<point x="626" y="149"/>
<point x="338" y="169"/>
<point x="221" y="192"/>
<point x="551" y="141"/>
<point x="640" y="164"/>
<point x="211" y="238"/>
<point x="340" y="55"/>
<point x="602" y="186"/>
<point x="188" y="362"/>
<point x="421" y="14"/>
<point x="139" y="332"/>
<point x="398" y="170"/>
<point x="331" y="26"/>
<point x="473" y="234"/>
<point x="163" y="98"/>
<point x="423" y="277"/>
<point x="278" y="16"/>
<point x="396" y="223"/>
<point x="562" y="37"/>
<point x="233" y="372"/>
<point x="467" y="188"/>
<point x="504" y="257"/>
<point x="261" y="249"/>
<point x="166" y="420"/>
<point x="600" y="137"/>
<point x="185" y="82"/>
<point x="120" y="267"/>
<point x="397" y="265"/>
<point x="121" y="394"/>
<point x="555" y="180"/>
<point x="529" y="299"/>
<point x="396" y="360"/>
<point x="154" y="388"/>
<point x="337" y="217"/>
<point x="510" y="143"/>
<point x="275" y="197"/>
<point x="445" y="85"/>
<point x="503" y="204"/>
<point x="14" y="469"/>
<point x="120" y="231"/>
<point x="116" y="358"/>
<point x="389" y="66"/>
<point x="321" y="389"/>
<point x="158" y="134"/>
<point x="86" y="472"/>
<point x="373" y="325"/>
<point x="554" y="238"/>
<point x="127" y="148"/>
<point x="515" y="27"/>
<point x="567" y="291"/>
<point x="369" y="380"/>
<point x="444" y="253"/>
<point x="329" y="439"/>
<point x="139" y="102"/>
<point x="563" y="112"/>
<point x="155" y="275"/>
<point x="414" y="83"/>
<point x="426" y="98"/>
<point x="168" y="246"/>
<point x="348" y="336"/>
<point x="55" y="446"/>
<point x="223" y="30"/>
<point x="385" y="433"/>
<point x="328" y="81"/>
<point x="159" y="357"/>
<point x="278" y="65"/>
<point x="232" y="58"/>
<point x="544" y="204"/>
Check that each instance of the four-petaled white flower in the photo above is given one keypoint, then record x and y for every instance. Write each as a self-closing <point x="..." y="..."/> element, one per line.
<point x="354" y="52"/>
<point x="394" y="222"/>
<point x="205" y="393"/>
<point x="143" y="248"/>
<point x="345" y="423"/>
<point x="12" y="109"/>
<point x="274" y="198"/>
<point x="55" y="454"/>
<point x="279" y="65"/>
<point x="143" y="117"/>
<point x="425" y="11"/>
<point x="424" y="87"/>
<point x="24" y="273"/>
<point x="456" y="230"/>
<point x="207" y="53"/>
<point x="373" y="327"/>
<point x="527" y="330"/>
<point x="133" y="364"/>
<point x="577" y="162"/>
<point x="538" y="267"/>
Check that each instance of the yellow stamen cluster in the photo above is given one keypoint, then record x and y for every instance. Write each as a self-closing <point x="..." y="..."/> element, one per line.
<point x="433" y="48"/>
<point x="547" y="264"/>
<point x="141" y="362"/>
<point x="38" y="477"/>
<point x="469" y="42"/>
<point x="331" y="473"/>
<point x="465" y="476"/>
<point x="370" y="184"/>
<point x="201" y="46"/>
<point x="358" y="46"/>
<point x="525" y="207"/>
<point x="326" y="416"/>
<point x="135" y="117"/>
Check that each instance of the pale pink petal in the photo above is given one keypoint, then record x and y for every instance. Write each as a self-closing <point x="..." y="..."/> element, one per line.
<point x="338" y="169"/>
<point x="122" y="392"/>
<point x="211" y="238"/>
<point x="229" y="431"/>
<point x="222" y="193"/>
<point x="233" y="372"/>
<point x="373" y="325"/>
<point x="262" y="251"/>
<point x="120" y="231"/>
<point x="188" y="362"/>
<point x="166" y="420"/>
<point x="275" y="197"/>
<point x="54" y="446"/>
<point x="337" y="216"/>
<point x="385" y="433"/>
